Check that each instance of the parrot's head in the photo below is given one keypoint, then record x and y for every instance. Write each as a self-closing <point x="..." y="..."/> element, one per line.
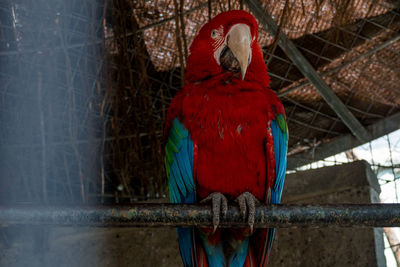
<point x="227" y="45"/>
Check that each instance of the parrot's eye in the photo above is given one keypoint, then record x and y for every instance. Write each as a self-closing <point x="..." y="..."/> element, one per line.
<point x="213" y="34"/>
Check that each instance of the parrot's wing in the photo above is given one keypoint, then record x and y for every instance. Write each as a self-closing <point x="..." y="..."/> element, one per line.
<point x="179" y="164"/>
<point x="280" y="138"/>
<point x="179" y="168"/>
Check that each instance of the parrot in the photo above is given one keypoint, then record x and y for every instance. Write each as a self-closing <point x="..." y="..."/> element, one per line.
<point x="226" y="142"/>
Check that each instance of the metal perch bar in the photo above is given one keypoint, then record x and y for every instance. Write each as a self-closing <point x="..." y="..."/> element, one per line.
<point x="158" y="215"/>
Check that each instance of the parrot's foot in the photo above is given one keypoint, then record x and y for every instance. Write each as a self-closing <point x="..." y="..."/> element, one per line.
<point x="247" y="202"/>
<point x="219" y="205"/>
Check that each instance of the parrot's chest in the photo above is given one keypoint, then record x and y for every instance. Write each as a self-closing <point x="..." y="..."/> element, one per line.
<point x="229" y="131"/>
<point x="226" y="116"/>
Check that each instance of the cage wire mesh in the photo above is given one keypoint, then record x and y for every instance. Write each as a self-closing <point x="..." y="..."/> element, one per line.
<point x="85" y="86"/>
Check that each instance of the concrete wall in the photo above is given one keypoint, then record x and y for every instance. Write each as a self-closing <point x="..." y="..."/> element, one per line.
<point x="349" y="183"/>
<point x="333" y="246"/>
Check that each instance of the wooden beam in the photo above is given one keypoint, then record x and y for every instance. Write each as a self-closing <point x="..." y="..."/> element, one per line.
<point x="344" y="143"/>
<point x="309" y="72"/>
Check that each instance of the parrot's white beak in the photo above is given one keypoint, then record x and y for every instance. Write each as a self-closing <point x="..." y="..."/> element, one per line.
<point x="238" y="41"/>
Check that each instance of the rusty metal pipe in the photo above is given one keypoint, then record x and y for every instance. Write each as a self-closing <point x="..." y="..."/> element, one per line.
<point x="159" y="215"/>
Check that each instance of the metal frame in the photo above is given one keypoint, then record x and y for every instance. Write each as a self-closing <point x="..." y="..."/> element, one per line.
<point x="343" y="143"/>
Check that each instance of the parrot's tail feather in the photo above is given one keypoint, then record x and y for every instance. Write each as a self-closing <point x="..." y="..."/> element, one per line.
<point x="201" y="257"/>
<point x="270" y="234"/>
<point x="251" y="260"/>
<point x="260" y="244"/>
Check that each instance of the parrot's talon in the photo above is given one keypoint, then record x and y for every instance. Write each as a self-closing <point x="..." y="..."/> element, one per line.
<point x="247" y="203"/>
<point x="219" y="205"/>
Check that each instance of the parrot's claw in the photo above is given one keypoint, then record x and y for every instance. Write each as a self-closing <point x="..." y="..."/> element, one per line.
<point x="247" y="202"/>
<point x="219" y="205"/>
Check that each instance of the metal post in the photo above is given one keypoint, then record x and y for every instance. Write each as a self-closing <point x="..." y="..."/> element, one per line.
<point x="158" y="215"/>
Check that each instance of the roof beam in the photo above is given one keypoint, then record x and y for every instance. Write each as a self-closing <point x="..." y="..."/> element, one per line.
<point x="309" y="72"/>
<point x="343" y="143"/>
<point x="344" y="64"/>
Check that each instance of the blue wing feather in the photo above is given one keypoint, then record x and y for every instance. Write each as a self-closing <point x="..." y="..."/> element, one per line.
<point x="179" y="179"/>
<point x="185" y="165"/>
<point x="280" y="137"/>
<point x="173" y="192"/>
<point x="179" y="167"/>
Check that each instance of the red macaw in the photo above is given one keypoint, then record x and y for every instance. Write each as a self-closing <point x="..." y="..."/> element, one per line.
<point x="227" y="141"/>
